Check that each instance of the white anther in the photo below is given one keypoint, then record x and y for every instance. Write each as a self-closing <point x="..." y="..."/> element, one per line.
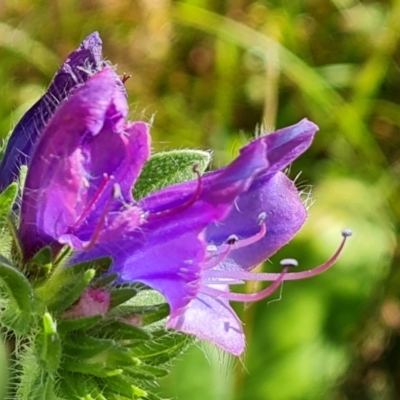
<point x="289" y="262"/>
<point x="347" y="232"/>
<point x="232" y="239"/>
<point x="212" y="248"/>
<point x="262" y="217"/>
<point x="117" y="191"/>
<point x="85" y="182"/>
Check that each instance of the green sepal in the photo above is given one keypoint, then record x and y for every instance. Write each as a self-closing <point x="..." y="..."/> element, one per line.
<point x="48" y="345"/>
<point x="66" y="284"/>
<point x="18" y="314"/>
<point x="146" y="372"/>
<point x="63" y="289"/>
<point x="41" y="263"/>
<point x="170" y="167"/>
<point x="7" y="199"/>
<point x="164" y="347"/>
<point x="97" y="369"/>
<point x="121" y="295"/>
<point x="76" y="324"/>
<point x="42" y="389"/>
<point x="76" y="386"/>
<point x="124" y="386"/>
<point x="105" y="281"/>
<point x="82" y="345"/>
<point x="145" y="314"/>
<point x="119" y="330"/>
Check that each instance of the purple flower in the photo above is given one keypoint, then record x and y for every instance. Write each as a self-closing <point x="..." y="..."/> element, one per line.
<point x="189" y="241"/>
<point x="78" y="67"/>
<point x="84" y="155"/>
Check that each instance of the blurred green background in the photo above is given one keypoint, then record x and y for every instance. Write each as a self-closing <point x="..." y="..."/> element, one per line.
<point x="212" y="73"/>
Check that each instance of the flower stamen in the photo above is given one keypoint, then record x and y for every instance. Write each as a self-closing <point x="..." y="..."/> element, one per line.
<point x="91" y="203"/>
<point x="249" y="297"/>
<point x="290" y="276"/>
<point x="184" y="206"/>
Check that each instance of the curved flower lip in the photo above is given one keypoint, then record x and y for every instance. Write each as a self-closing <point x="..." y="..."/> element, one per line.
<point x="77" y="68"/>
<point x="85" y="152"/>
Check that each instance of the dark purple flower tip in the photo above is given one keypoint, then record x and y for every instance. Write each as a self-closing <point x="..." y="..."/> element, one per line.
<point x="92" y="302"/>
<point x="83" y="167"/>
<point x="81" y="64"/>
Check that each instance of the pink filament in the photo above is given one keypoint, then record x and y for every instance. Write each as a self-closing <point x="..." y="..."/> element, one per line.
<point x="183" y="206"/>
<point x="226" y="248"/>
<point x="91" y="204"/>
<point x="248" y="297"/>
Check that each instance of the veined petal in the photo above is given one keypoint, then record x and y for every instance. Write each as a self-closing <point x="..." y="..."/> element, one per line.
<point x="277" y="199"/>
<point x="78" y="67"/>
<point x="211" y="319"/>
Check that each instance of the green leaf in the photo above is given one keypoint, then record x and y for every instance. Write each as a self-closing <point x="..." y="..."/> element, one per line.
<point x="119" y="330"/>
<point x="146" y="372"/>
<point x="48" y="345"/>
<point x="82" y="346"/>
<point x="163" y="348"/>
<point x="170" y="167"/>
<point x="77" y="386"/>
<point x="64" y="288"/>
<point x="66" y="284"/>
<point x="143" y="315"/>
<point x="124" y="386"/>
<point x="121" y="295"/>
<point x="76" y="324"/>
<point x="7" y="199"/>
<point x="104" y="281"/>
<point x="42" y="259"/>
<point x="18" y="314"/>
<point x="98" y="369"/>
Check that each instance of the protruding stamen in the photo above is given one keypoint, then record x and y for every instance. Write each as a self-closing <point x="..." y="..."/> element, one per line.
<point x="347" y="232"/>
<point x="216" y="259"/>
<point x="91" y="203"/>
<point x="183" y="206"/>
<point x="252" y="239"/>
<point x="99" y="226"/>
<point x="290" y="276"/>
<point x="248" y="297"/>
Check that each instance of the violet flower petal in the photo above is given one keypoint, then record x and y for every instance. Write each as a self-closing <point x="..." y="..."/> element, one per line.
<point x="84" y="151"/>
<point x="285" y="214"/>
<point x="78" y="67"/>
<point x="211" y="319"/>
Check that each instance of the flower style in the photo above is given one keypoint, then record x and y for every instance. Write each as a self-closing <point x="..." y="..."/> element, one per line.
<point x="189" y="241"/>
<point x="78" y="67"/>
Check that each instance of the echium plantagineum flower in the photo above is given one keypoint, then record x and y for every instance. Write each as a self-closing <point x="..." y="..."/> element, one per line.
<point x="190" y="241"/>
<point x="77" y="68"/>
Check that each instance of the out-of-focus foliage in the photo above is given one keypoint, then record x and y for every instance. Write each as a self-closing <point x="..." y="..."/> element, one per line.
<point x="211" y="72"/>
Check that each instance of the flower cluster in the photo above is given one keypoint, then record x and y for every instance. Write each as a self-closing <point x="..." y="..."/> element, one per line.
<point x="190" y="241"/>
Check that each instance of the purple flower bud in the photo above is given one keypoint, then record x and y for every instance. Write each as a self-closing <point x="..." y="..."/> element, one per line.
<point x="77" y="68"/>
<point x="92" y="302"/>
